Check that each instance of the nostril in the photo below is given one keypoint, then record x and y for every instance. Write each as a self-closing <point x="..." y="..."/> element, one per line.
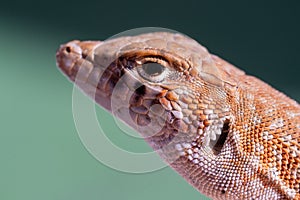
<point x="68" y="49"/>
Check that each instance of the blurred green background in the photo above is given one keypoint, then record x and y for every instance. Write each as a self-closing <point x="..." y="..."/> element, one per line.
<point x="41" y="154"/>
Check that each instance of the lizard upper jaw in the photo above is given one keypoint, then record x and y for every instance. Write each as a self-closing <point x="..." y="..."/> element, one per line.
<point x="72" y="53"/>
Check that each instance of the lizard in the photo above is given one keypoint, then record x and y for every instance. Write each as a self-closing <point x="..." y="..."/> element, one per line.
<point x="228" y="134"/>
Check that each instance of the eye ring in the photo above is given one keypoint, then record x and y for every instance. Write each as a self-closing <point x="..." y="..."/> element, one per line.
<point x="152" y="71"/>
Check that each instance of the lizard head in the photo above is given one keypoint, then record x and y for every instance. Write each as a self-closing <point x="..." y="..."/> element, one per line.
<point x="167" y="87"/>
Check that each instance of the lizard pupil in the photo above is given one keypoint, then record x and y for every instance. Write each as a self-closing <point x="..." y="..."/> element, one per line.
<point x="153" y="69"/>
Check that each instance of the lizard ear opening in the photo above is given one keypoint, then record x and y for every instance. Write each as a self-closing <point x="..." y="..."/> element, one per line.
<point x="220" y="143"/>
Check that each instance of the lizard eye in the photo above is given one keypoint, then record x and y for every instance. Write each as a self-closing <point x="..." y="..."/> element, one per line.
<point x="153" y="72"/>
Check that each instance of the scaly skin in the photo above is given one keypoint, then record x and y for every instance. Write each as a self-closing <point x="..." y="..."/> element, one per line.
<point x="228" y="134"/>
